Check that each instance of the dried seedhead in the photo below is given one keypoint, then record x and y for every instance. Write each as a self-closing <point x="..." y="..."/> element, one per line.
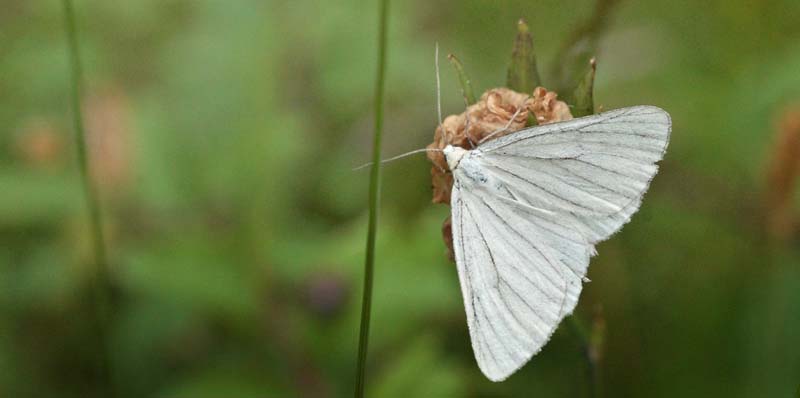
<point x="487" y="119"/>
<point x="547" y="108"/>
<point x="490" y="114"/>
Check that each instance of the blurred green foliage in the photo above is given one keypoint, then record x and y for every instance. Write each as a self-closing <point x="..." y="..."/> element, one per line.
<point x="224" y="133"/>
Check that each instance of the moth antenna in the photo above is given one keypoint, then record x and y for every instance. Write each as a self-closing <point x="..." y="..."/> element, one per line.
<point x="438" y="87"/>
<point x="439" y="98"/>
<point x="402" y="155"/>
<point x="493" y="133"/>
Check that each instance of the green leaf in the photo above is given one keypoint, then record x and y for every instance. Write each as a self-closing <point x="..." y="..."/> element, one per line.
<point x="523" y="76"/>
<point x="463" y="80"/>
<point x="583" y="96"/>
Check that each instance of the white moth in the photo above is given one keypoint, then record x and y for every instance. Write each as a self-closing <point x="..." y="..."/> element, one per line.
<point x="527" y="210"/>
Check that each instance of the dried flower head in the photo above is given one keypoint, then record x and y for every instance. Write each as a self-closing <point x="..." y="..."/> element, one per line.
<point x="547" y="108"/>
<point x="488" y="116"/>
<point x="498" y="112"/>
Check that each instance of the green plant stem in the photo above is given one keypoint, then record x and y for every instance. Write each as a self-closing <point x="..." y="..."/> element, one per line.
<point x="374" y="194"/>
<point x="102" y="279"/>
<point x="592" y="366"/>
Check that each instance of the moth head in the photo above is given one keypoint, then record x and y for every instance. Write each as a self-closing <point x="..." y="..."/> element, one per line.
<point x="453" y="155"/>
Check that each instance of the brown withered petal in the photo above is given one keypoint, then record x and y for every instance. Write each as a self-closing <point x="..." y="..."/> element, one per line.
<point x="447" y="235"/>
<point x="442" y="182"/>
<point x="488" y="116"/>
<point x="547" y="108"/>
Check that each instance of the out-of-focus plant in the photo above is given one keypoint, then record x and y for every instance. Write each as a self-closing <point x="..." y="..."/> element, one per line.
<point x="102" y="285"/>
<point x="783" y="174"/>
<point x="570" y="64"/>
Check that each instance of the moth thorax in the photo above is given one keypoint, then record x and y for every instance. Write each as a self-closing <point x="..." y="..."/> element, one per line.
<point x="453" y="154"/>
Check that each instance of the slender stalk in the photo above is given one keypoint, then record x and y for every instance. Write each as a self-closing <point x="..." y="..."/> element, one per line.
<point x="591" y="342"/>
<point x="374" y="193"/>
<point x="102" y="279"/>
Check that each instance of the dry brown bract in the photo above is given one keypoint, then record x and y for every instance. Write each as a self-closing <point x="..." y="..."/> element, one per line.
<point x="487" y="117"/>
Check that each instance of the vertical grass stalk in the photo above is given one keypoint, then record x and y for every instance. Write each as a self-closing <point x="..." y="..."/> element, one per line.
<point x="591" y="342"/>
<point x="374" y="194"/>
<point x="101" y="284"/>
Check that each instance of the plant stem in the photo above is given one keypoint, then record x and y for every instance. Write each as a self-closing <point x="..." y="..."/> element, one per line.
<point x="591" y="341"/>
<point x="374" y="191"/>
<point x="102" y="279"/>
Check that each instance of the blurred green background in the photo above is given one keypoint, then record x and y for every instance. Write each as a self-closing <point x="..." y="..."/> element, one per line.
<point x="222" y="135"/>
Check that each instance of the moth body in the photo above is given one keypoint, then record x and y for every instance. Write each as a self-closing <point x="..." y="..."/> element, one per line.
<point x="453" y="155"/>
<point x="471" y="171"/>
